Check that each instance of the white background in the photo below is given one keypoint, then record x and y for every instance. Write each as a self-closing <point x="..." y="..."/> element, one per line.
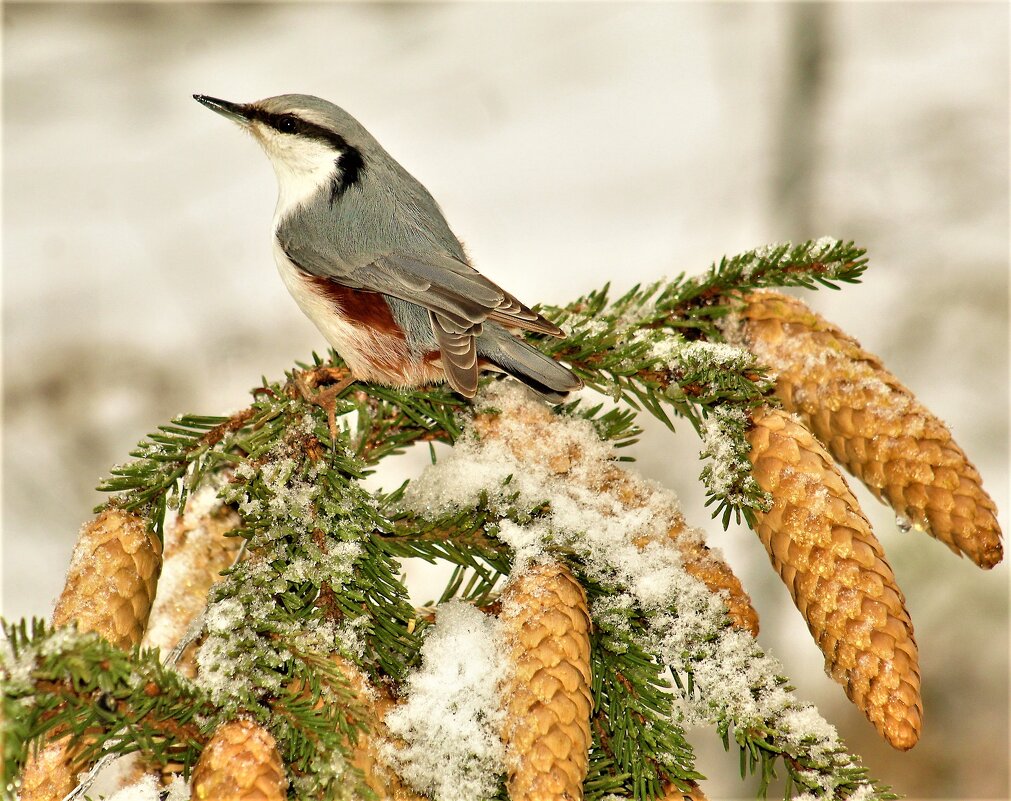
<point x="568" y="145"/>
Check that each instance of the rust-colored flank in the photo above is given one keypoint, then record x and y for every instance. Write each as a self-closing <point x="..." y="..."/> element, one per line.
<point x="364" y="308"/>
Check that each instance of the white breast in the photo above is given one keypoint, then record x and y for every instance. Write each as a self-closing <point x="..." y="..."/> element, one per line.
<point x="371" y="355"/>
<point x="315" y="306"/>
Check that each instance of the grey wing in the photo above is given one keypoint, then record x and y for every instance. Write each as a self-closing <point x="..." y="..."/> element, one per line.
<point x="437" y="281"/>
<point x="458" y="299"/>
<point x="448" y="286"/>
<point x="458" y="349"/>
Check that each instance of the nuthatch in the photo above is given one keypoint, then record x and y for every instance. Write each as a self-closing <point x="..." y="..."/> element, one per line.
<point x="366" y="252"/>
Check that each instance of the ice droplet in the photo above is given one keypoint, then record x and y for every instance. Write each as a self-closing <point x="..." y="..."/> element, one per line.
<point x="904" y="523"/>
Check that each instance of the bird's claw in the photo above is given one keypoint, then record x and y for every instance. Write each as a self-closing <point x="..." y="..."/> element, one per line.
<point x="308" y="382"/>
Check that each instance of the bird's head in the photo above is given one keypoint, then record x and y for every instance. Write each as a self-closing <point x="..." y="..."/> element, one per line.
<point x="310" y="142"/>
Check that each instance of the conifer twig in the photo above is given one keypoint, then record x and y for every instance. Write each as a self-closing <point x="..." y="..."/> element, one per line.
<point x="316" y="614"/>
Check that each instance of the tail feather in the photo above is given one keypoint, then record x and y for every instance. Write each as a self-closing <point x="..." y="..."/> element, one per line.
<point x="527" y="364"/>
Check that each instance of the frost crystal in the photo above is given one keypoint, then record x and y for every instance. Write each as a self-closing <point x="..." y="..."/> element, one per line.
<point x="823" y="245"/>
<point x="16" y="670"/>
<point x="690" y="357"/>
<point x="178" y="790"/>
<point x="730" y="466"/>
<point x="759" y="256"/>
<point x="224" y="616"/>
<point x="205" y="500"/>
<point x="802" y="723"/>
<point x="451" y="720"/>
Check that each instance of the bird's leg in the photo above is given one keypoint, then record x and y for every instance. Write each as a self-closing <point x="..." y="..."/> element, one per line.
<point x="308" y="382"/>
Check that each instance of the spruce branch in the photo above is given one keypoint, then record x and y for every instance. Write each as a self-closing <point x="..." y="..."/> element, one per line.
<point x="633" y="720"/>
<point x="58" y="682"/>
<point x="660" y="348"/>
<point x="316" y="581"/>
<point x="311" y="633"/>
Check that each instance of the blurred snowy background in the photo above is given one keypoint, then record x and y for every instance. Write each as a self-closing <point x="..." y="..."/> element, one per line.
<point x="568" y="145"/>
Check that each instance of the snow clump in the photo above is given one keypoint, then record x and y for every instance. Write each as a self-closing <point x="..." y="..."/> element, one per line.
<point x="450" y="722"/>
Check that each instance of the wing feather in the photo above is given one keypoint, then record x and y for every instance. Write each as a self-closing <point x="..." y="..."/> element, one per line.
<point x="457" y="297"/>
<point x="459" y="354"/>
<point x="436" y="281"/>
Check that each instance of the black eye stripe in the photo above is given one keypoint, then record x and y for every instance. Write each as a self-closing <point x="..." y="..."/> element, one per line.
<point x="293" y="124"/>
<point x="351" y="162"/>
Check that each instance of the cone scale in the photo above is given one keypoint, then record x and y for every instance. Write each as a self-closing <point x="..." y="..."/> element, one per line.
<point x="240" y="763"/>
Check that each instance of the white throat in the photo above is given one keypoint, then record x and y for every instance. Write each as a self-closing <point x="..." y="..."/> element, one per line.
<point x="302" y="168"/>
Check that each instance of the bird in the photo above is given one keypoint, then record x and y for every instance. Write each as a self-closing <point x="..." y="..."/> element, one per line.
<point x="366" y="252"/>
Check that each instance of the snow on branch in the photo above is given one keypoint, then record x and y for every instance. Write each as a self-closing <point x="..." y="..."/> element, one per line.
<point x="586" y="627"/>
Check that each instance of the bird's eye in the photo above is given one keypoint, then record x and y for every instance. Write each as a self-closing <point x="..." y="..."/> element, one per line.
<point x="287" y="124"/>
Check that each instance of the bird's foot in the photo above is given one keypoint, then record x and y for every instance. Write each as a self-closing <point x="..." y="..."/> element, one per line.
<point x="337" y="380"/>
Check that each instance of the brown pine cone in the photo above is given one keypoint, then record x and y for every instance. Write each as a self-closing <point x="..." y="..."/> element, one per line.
<point x="696" y="557"/>
<point x="534" y="439"/>
<point x="673" y="793"/>
<point x="548" y="718"/>
<point x="824" y="550"/>
<point x="110" y="586"/>
<point x="699" y="562"/>
<point x="873" y="425"/>
<point x="240" y="763"/>
<point x="47" y="776"/>
<point x="196" y="551"/>
<point x="366" y="757"/>
<point x="112" y="578"/>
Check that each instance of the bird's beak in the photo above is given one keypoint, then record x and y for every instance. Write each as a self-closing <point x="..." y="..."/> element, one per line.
<point x="236" y="112"/>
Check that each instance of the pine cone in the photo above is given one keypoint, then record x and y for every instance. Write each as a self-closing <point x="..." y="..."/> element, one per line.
<point x="240" y="763"/>
<point x="873" y="425"/>
<point x="548" y="718"/>
<point x="112" y="578"/>
<point x="697" y="558"/>
<point x="47" y="776"/>
<point x="824" y="550"/>
<point x="699" y="562"/>
<point x="196" y="551"/>
<point x="383" y="781"/>
<point x="673" y="793"/>
<point x="110" y="586"/>
<point x="533" y="438"/>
